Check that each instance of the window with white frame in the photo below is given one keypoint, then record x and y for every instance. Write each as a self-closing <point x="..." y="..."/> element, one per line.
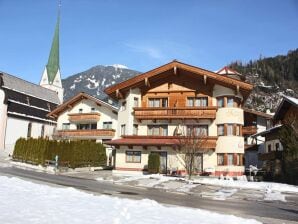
<point x="65" y="126"/>
<point x="107" y="125"/>
<point x="133" y="156"/>
<point x="230" y="159"/>
<point x="157" y="130"/>
<point x="123" y="127"/>
<point x="197" y="101"/>
<point x="230" y="102"/>
<point x="229" y="129"/>
<point x="220" y="130"/>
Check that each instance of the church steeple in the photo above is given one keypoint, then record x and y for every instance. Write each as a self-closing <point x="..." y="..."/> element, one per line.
<point x="53" y="62"/>
<point x="51" y="77"/>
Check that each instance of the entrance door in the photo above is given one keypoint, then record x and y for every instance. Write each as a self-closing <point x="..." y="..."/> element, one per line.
<point x="198" y="163"/>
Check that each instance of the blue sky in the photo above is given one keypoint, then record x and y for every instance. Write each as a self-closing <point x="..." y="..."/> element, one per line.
<point x="143" y="34"/>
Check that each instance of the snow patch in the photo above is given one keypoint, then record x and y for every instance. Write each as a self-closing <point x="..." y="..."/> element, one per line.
<point x="60" y="205"/>
<point x="119" y="66"/>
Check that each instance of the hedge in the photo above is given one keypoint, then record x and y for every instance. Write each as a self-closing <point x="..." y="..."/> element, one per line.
<point x="76" y="153"/>
<point x="153" y="163"/>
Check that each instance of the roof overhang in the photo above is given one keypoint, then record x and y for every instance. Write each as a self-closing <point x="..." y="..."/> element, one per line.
<point x="118" y="90"/>
<point x="77" y="98"/>
<point x="284" y="106"/>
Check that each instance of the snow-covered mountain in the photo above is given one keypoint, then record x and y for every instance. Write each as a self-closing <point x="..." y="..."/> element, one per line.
<point x="95" y="80"/>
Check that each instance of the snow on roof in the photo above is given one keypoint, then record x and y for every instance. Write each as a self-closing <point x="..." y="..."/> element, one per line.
<point x="291" y="99"/>
<point x="28" y="88"/>
<point x="267" y="131"/>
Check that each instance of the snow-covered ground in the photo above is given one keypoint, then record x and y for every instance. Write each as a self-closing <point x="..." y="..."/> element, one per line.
<point x="268" y="191"/>
<point x="27" y="202"/>
<point x="248" y="185"/>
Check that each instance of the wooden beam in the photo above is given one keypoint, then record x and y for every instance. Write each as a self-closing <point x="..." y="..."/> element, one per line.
<point x="147" y="83"/>
<point x="175" y="71"/>
<point x="119" y="94"/>
<point x="205" y="79"/>
<point x="237" y="89"/>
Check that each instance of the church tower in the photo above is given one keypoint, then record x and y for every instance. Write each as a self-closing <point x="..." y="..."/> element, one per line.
<point x="51" y="77"/>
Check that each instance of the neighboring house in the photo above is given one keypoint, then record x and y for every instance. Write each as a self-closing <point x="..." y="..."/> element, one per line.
<point x="23" y="110"/>
<point x="155" y="104"/>
<point x="272" y="155"/>
<point x="254" y="122"/>
<point x="85" y="117"/>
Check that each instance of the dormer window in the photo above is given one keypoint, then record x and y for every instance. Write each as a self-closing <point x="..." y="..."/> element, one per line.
<point x="80" y="110"/>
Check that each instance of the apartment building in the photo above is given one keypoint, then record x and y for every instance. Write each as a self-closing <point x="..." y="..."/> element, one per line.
<point x="159" y="106"/>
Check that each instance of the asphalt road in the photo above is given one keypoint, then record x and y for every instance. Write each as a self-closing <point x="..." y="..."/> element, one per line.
<point x="275" y="210"/>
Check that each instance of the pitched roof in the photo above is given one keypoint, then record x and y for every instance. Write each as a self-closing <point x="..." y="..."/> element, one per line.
<point x="176" y="65"/>
<point x="76" y="99"/>
<point x="53" y="61"/>
<point x="19" y="85"/>
<point x="285" y="104"/>
<point x="258" y="113"/>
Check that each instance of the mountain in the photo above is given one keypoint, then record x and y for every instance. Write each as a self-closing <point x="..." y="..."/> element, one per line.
<point x="272" y="77"/>
<point x="95" y="80"/>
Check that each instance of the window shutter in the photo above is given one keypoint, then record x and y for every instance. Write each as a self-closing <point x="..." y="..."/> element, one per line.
<point x="225" y="159"/>
<point x="235" y="159"/>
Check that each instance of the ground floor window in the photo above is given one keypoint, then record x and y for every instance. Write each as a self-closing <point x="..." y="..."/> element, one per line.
<point x="229" y="159"/>
<point x="133" y="156"/>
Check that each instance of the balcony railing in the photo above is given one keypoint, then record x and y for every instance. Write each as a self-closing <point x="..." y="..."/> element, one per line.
<point x="88" y="117"/>
<point x="270" y="155"/>
<point x="249" y="130"/>
<point x="92" y="133"/>
<point x="148" y="113"/>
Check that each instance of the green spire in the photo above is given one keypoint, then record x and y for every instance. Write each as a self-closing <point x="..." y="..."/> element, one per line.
<point x="53" y="62"/>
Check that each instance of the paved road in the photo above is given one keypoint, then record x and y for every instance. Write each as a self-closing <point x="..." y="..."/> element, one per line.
<point x="275" y="210"/>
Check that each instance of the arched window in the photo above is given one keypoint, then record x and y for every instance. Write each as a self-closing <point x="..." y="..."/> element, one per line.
<point x="42" y="131"/>
<point x="29" y="130"/>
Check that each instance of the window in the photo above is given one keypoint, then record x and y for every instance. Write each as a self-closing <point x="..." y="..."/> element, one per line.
<point x="158" y="102"/>
<point x="86" y="126"/>
<point x="123" y="106"/>
<point x="107" y="125"/>
<point x="220" y="102"/>
<point x="237" y="162"/>
<point x="230" y="159"/>
<point x="80" y="110"/>
<point x="220" y="130"/>
<point x="269" y="148"/>
<point x="49" y="106"/>
<point x="197" y="101"/>
<point x="42" y="131"/>
<point x="277" y="146"/>
<point x="65" y="126"/>
<point x="29" y="130"/>
<point x="93" y="109"/>
<point x="229" y="129"/>
<point x="135" y="101"/>
<point x="135" y="129"/>
<point x="220" y="159"/>
<point x="197" y="130"/>
<point x="133" y="156"/>
<point x="123" y="129"/>
<point x="158" y="130"/>
<point x="230" y="102"/>
<point x="28" y="100"/>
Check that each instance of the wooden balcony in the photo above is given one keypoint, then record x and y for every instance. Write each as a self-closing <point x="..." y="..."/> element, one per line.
<point x="86" y="117"/>
<point x="150" y="113"/>
<point x="270" y="155"/>
<point x="85" y="134"/>
<point x="249" y="130"/>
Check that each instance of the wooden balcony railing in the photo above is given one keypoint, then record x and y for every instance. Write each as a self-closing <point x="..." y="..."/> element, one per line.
<point x="249" y="130"/>
<point x="270" y="155"/>
<point x="93" y="133"/>
<point x="78" y="117"/>
<point x="148" y="113"/>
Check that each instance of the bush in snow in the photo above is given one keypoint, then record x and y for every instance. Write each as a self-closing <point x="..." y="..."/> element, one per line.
<point x="153" y="163"/>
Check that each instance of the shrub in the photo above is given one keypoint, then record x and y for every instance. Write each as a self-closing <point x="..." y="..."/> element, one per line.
<point x="77" y="153"/>
<point x="153" y="163"/>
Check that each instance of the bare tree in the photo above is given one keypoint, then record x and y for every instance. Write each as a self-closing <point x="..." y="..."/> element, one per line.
<point x="191" y="143"/>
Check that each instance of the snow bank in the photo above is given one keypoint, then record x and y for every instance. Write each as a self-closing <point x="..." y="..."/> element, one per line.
<point x="27" y="202"/>
<point x="248" y="185"/>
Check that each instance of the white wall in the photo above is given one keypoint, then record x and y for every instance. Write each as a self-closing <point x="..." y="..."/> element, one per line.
<point x="3" y="118"/>
<point x="18" y="128"/>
